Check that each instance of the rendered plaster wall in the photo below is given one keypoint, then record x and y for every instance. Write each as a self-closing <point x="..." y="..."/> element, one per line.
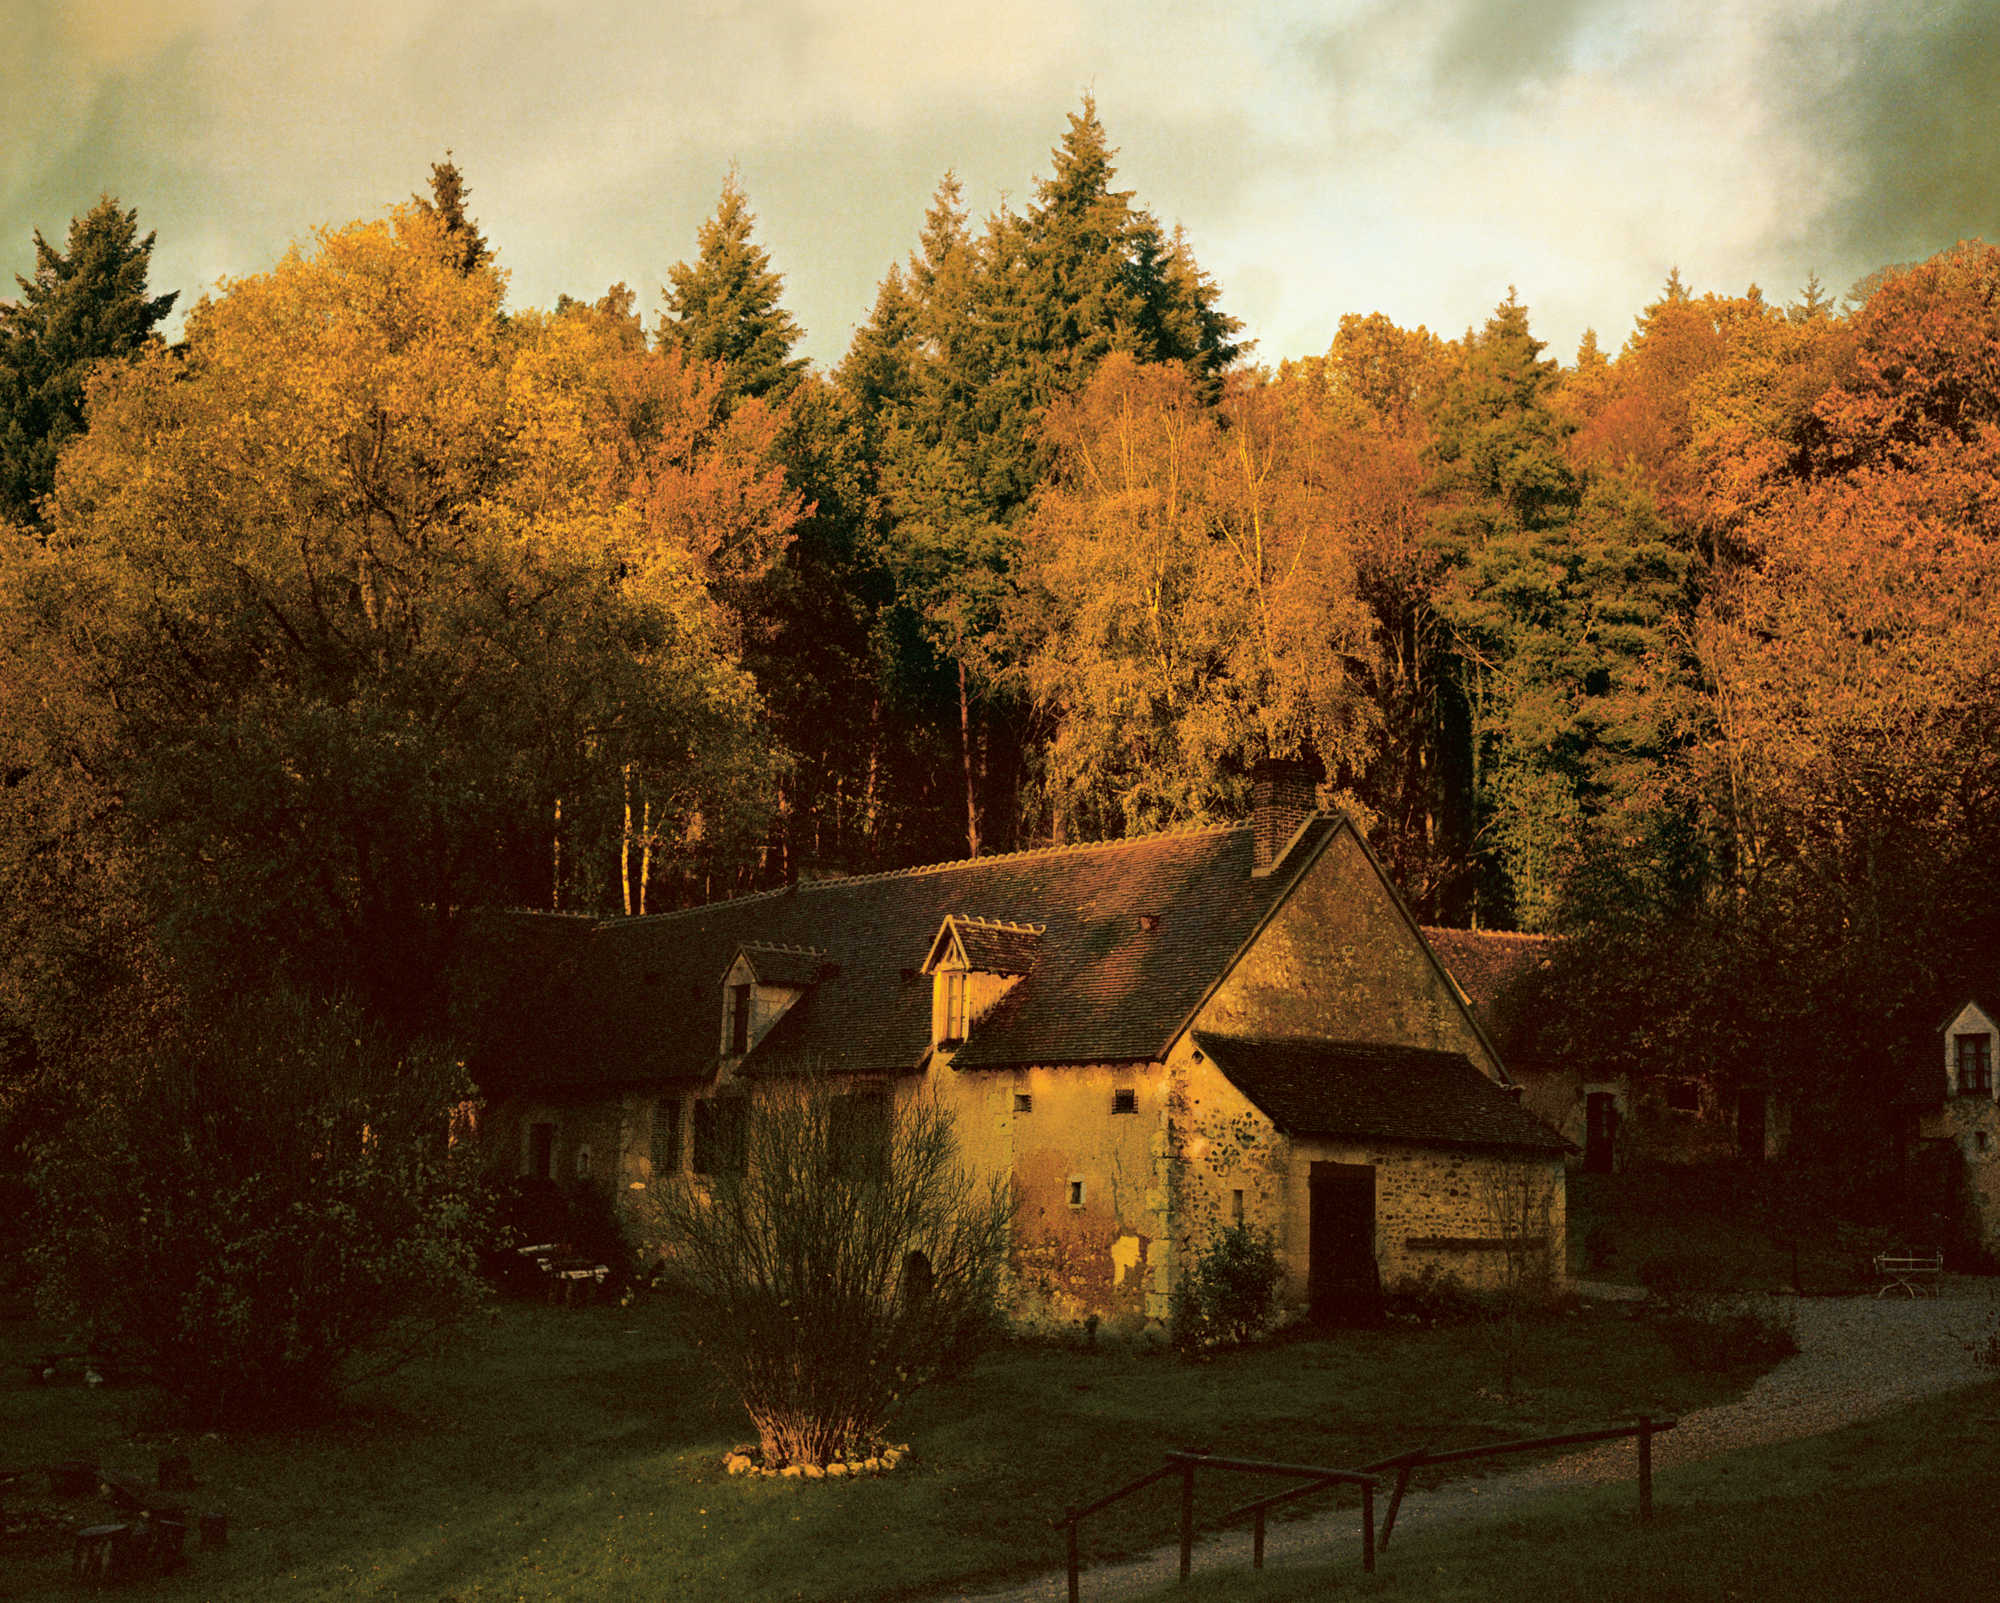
<point x="1339" y="961"/>
<point x="1106" y="1255"/>
<point x="1449" y="1209"/>
<point x="1965" y="1120"/>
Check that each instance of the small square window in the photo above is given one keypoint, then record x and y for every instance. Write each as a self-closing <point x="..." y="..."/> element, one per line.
<point x="1124" y="1101"/>
<point x="1684" y="1096"/>
<point x="1076" y="1193"/>
<point x="1023" y="1102"/>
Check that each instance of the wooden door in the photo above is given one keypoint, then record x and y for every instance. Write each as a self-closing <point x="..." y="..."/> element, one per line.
<point x="1600" y="1132"/>
<point x="1342" y="1280"/>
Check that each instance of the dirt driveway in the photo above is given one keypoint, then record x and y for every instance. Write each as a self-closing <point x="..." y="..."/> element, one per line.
<point x="1858" y="1357"/>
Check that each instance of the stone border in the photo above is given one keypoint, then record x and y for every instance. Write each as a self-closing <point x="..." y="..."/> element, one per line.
<point x="743" y="1460"/>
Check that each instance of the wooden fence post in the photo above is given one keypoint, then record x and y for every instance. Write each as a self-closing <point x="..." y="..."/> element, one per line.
<point x="1368" y="1525"/>
<point x="1645" y="1470"/>
<point x="1187" y="1517"/>
<point x="1257" y="1543"/>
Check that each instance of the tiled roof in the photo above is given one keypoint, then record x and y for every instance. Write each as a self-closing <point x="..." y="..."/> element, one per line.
<point x="998" y="946"/>
<point x="784" y="965"/>
<point x="640" y="999"/>
<point x="1394" y="1093"/>
<point x="1486" y="962"/>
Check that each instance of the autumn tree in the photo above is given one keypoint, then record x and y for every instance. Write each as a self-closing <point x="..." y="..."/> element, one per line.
<point x="83" y="305"/>
<point x="1372" y="396"/>
<point x="342" y="606"/>
<point x="1200" y="594"/>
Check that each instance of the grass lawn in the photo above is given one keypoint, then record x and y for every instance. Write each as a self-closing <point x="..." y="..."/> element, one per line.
<point x="575" y="1454"/>
<point x="1893" y="1508"/>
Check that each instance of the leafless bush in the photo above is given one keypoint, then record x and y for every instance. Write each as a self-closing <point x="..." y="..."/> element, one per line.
<point x="852" y="1259"/>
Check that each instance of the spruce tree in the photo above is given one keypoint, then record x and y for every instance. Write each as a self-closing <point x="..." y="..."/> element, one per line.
<point x="726" y="305"/>
<point x="449" y="192"/>
<point x="82" y="306"/>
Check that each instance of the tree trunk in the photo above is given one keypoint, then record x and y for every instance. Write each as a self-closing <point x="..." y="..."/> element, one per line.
<point x="965" y="747"/>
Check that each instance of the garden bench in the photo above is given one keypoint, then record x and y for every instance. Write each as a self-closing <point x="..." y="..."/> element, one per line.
<point x="568" y="1272"/>
<point x="1916" y="1272"/>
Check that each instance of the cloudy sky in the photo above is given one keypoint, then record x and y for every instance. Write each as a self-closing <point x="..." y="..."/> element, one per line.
<point x="1414" y="157"/>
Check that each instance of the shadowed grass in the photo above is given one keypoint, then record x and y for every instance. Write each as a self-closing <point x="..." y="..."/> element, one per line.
<point x="1892" y="1508"/>
<point x="575" y="1454"/>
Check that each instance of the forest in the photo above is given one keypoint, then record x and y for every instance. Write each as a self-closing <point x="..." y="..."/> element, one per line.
<point x="373" y="599"/>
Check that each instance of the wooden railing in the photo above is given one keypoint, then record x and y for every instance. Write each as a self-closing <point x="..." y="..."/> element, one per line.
<point x="1315" y="1478"/>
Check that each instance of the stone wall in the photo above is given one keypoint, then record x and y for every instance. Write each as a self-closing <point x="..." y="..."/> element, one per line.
<point x="1341" y="962"/>
<point x="1449" y="1209"/>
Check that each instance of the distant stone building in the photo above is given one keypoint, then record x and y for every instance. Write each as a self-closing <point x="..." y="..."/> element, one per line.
<point x="1612" y="1119"/>
<point x="1958" y="1124"/>
<point x="1152" y="1039"/>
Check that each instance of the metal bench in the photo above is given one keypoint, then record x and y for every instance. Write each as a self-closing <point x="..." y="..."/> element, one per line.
<point x="1915" y="1272"/>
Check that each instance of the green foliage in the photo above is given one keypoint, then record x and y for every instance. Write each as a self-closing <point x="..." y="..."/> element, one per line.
<point x="725" y="305"/>
<point x="84" y="305"/>
<point x="851" y="1261"/>
<point x="1230" y="1296"/>
<point x="1434" y="1296"/>
<point x="267" y="1208"/>
<point x="464" y="247"/>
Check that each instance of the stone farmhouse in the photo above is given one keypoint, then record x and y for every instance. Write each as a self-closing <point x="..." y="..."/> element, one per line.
<point x="1152" y="1039"/>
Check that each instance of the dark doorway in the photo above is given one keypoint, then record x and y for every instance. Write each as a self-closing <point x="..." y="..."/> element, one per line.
<point x="541" y="1151"/>
<point x="1600" y="1132"/>
<point x="1751" y="1114"/>
<point x="1343" y="1282"/>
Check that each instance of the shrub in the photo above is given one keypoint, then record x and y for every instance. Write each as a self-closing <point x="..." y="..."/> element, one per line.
<point x="270" y="1207"/>
<point x="1230" y="1296"/>
<point x="1722" y="1334"/>
<point x="1435" y="1296"/>
<point x="850" y="1261"/>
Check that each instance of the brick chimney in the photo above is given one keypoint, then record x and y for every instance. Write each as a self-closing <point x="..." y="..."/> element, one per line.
<point x="1284" y="793"/>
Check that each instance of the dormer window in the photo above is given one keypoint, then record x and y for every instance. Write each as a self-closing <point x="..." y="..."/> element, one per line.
<point x="952" y="986"/>
<point x="762" y="982"/>
<point x="1973" y="1056"/>
<point x="973" y="962"/>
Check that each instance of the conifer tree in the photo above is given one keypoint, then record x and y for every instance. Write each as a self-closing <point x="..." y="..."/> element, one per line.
<point x="466" y="247"/>
<point x="83" y="305"/>
<point x="726" y="305"/>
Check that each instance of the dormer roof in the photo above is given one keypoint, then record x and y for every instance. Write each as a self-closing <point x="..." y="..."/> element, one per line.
<point x="991" y="945"/>
<point x="774" y="964"/>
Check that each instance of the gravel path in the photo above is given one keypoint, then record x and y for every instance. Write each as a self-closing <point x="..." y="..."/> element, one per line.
<point x="1858" y="1357"/>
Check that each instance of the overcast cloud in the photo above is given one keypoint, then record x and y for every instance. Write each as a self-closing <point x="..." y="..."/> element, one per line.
<point x="1414" y="157"/>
